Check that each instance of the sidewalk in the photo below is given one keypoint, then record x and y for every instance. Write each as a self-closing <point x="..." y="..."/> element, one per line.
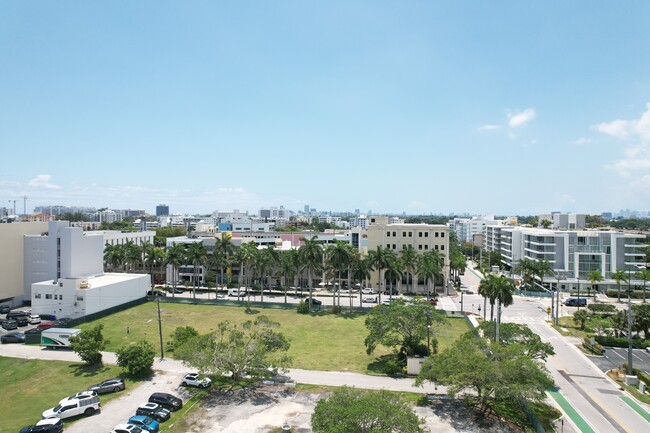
<point x="311" y="377"/>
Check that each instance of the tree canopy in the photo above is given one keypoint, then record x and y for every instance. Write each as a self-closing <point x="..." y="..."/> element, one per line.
<point x="351" y="410"/>
<point x="236" y="350"/>
<point x="89" y="344"/>
<point x="402" y="326"/>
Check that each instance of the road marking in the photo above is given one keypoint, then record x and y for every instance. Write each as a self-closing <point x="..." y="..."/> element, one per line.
<point x="572" y="412"/>
<point x="619" y="355"/>
<point x="638" y="409"/>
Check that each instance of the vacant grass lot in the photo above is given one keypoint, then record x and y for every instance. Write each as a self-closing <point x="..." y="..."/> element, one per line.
<point x="32" y="386"/>
<point x="320" y="341"/>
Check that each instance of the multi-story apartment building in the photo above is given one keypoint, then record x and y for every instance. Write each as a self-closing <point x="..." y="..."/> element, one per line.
<point x="466" y="228"/>
<point x="573" y="254"/>
<point x="422" y="237"/>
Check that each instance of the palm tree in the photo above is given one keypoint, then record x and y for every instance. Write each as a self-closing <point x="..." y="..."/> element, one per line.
<point x="223" y="247"/>
<point x="339" y="258"/>
<point x="268" y="261"/>
<point x="248" y="255"/>
<point x="619" y="276"/>
<point x="175" y="258"/>
<point x="197" y="255"/>
<point x="486" y="290"/>
<point x="360" y="271"/>
<point x="541" y="269"/>
<point x="145" y="248"/>
<point x="643" y="274"/>
<point x="408" y="256"/>
<point x="394" y="273"/>
<point x="289" y="264"/>
<point x="311" y="257"/>
<point x="132" y="254"/>
<point x="594" y="277"/>
<point x="154" y="259"/>
<point x="379" y="260"/>
<point x="113" y="256"/>
<point x="526" y="268"/>
<point x="503" y="291"/>
<point x="429" y="267"/>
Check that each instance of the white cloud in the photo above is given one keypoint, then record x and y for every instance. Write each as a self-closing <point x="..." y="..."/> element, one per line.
<point x="635" y="162"/>
<point x="621" y="128"/>
<point x="42" y="181"/>
<point x="521" y="118"/>
<point x="581" y="141"/>
<point x="489" y="127"/>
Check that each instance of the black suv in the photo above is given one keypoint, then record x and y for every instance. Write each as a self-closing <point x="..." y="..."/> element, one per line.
<point x="167" y="401"/>
<point x="4" y="309"/>
<point x="154" y="410"/>
<point x="13" y="315"/>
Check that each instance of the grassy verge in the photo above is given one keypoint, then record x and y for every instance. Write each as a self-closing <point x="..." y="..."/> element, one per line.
<point x="567" y="327"/>
<point x="34" y="386"/>
<point x="632" y="390"/>
<point x="319" y="341"/>
<point x="515" y="414"/>
<point x="181" y="419"/>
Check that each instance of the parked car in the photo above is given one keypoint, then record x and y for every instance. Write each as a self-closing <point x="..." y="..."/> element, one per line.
<point x="13" y="337"/>
<point x="370" y="299"/>
<point x="156" y="293"/>
<point x="14" y="315"/>
<point x="145" y="423"/>
<point x="369" y="291"/>
<point x="109" y="385"/>
<point x="21" y="321"/>
<point x="4" y="309"/>
<point x="176" y="290"/>
<point x="64" y="322"/>
<point x="34" y="319"/>
<point x="313" y="301"/>
<point x="49" y="425"/>
<point x="167" y="401"/>
<point x="154" y="410"/>
<point x="194" y="379"/>
<point x="80" y="395"/>
<point x="74" y="407"/>
<point x="44" y="325"/>
<point x="126" y="428"/>
<point x="9" y="325"/>
<point x="576" y="302"/>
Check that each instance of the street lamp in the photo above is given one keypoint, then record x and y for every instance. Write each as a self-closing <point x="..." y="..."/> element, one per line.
<point x="428" y="339"/>
<point x="461" y="302"/>
<point x="559" y="277"/>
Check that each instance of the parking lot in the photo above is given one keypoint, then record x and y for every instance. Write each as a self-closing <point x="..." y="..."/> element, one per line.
<point x="614" y="357"/>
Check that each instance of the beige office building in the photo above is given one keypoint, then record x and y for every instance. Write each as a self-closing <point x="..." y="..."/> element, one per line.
<point x="422" y="237"/>
<point x="12" y="255"/>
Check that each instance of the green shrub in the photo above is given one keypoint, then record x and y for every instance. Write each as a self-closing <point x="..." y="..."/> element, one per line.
<point x="637" y="343"/>
<point x="602" y="308"/>
<point x="594" y="348"/>
<point x="643" y="377"/>
<point x="303" y="308"/>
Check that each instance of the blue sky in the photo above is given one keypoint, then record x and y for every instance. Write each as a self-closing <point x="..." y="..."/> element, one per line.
<point x="504" y="107"/>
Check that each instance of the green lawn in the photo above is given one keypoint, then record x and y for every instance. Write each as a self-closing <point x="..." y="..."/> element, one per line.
<point x="320" y="341"/>
<point x="32" y="386"/>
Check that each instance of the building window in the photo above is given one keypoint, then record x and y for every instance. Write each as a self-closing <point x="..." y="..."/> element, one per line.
<point x="442" y="247"/>
<point x="426" y="234"/>
<point x="80" y="298"/>
<point x="48" y="296"/>
<point x="420" y="234"/>
<point x="419" y="247"/>
<point x="394" y="234"/>
<point x="37" y="296"/>
<point x="403" y="234"/>
<point x="410" y="234"/>
<point x="436" y="247"/>
<point x="442" y="235"/>
<point x="426" y="247"/>
<point x="436" y="234"/>
<point x="387" y="234"/>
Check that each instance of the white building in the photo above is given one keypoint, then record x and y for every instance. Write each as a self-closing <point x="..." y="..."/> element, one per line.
<point x="466" y="228"/>
<point x="64" y="273"/>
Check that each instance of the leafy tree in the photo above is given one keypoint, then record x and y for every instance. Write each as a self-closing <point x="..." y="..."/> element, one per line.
<point x="581" y="317"/>
<point x="136" y="359"/>
<point x="89" y="345"/>
<point x="351" y="410"/>
<point x="402" y="326"/>
<point x="162" y="233"/>
<point x="251" y="347"/>
<point x="546" y="223"/>
<point x="180" y="336"/>
<point x="641" y="314"/>
<point x="486" y="373"/>
<point x="530" y="343"/>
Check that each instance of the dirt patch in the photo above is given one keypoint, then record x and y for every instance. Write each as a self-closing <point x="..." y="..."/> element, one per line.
<point x="261" y="409"/>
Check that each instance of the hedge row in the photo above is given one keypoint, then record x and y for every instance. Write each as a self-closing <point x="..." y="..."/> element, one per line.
<point x="594" y="348"/>
<point x="640" y="374"/>
<point x="609" y="341"/>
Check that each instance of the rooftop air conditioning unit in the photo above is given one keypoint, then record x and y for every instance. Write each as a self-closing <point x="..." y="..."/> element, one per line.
<point x="83" y="284"/>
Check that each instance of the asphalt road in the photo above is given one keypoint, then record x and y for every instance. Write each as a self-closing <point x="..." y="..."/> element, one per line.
<point x="588" y="390"/>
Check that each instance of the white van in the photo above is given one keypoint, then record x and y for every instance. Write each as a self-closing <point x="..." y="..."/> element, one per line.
<point x="241" y="292"/>
<point x="73" y="407"/>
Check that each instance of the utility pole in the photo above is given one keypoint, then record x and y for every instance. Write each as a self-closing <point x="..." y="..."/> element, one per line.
<point x="162" y="354"/>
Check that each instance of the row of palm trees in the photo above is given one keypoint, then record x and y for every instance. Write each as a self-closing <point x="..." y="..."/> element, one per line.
<point x="313" y="260"/>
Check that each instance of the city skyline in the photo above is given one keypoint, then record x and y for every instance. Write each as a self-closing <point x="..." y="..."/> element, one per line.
<point x="418" y="108"/>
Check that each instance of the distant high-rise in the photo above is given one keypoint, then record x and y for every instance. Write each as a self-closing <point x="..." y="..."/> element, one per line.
<point x="162" y="210"/>
<point x="306" y="209"/>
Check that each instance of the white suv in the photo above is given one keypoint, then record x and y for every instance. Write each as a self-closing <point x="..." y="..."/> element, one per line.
<point x="126" y="428"/>
<point x="73" y="407"/>
<point x="193" y="379"/>
<point x="34" y="319"/>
